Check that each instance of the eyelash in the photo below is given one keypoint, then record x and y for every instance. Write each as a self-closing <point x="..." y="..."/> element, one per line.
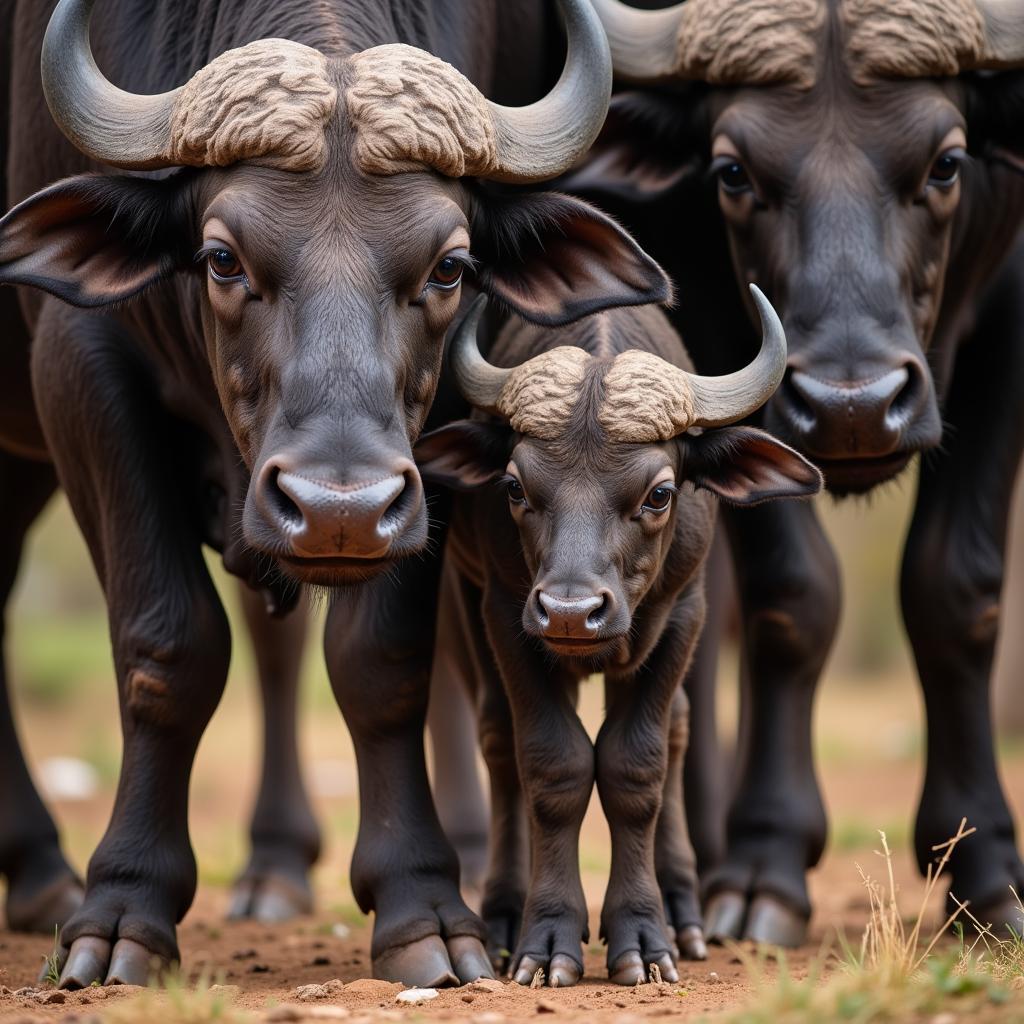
<point x="211" y="247"/>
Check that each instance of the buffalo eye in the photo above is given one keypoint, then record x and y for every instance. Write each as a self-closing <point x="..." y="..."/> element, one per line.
<point x="224" y="265"/>
<point x="946" y="169"/>
<point x="659" y="499"/>
<point x="732" y="175"/>
<point x="447" y="274"/>
<point x="515" y="491"/>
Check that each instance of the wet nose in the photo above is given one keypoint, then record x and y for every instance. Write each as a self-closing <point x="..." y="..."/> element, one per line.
<point x="572" y="618"/>
<point x="865" y="418"/>
<point x="318" y="518"/>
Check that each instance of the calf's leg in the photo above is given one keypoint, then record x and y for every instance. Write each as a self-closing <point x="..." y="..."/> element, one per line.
<point x="121" y="461"/>
<point x="788" y="584"/>
<point x="379" y="643"/>
<point x="634" y="749"/>
<point x="285" y="837"/>
<point x="42" y="890"/>
<point x="951" y="584"/>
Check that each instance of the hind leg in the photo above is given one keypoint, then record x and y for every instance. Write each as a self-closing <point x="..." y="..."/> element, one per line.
<point x="285" y="837"/>
<point x="42" y="891"/>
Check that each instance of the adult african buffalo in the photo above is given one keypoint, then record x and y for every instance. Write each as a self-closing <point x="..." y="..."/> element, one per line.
<point x="300" y="272"/>
<point x="856" y="159"/>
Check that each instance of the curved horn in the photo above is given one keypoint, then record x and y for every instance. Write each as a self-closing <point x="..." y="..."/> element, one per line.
<point x="545" y="139"/>
<point x="644" y="44"/>
<point x="1004" y="35"/>
<point x="719" y="401"/>
<point x="104" y="122"/>
<point x="478" y="381"/>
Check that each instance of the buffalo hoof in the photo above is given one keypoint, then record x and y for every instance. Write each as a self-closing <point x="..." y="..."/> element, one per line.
<point x="46" y="909"/>
<point x="92" y="960"/>
<point x="559" y="972"/>
<point x="269" y="898"/>
<point x="434" y="963"/>
<point x="1004" y="919"/>
<point x="631" y="969"/>
<point x="766" y="920"/>
<point x="691" y="944"/>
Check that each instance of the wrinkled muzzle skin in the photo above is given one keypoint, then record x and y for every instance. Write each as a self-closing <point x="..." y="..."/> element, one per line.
<point x="840" y="203"/>
<point x="326" y="337"/>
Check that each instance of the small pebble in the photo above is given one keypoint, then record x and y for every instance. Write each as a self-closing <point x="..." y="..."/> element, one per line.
<point x="486" y="985"/>
<point x="52" y="998"/>
<point x="321" y="961"/>
<point x="543" y="1006"/>
<point x="416" y="996"/>
<point x="244" y="954"/>
<point x="259" y="969"/>
<point x="468" y="998"/>
<point x="713" y="978"/>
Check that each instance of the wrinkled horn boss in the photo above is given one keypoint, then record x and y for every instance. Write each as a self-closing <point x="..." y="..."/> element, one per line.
<point x="765" y="42"/>
<point x="646" y="399"/>
<point x="271" y="101"/>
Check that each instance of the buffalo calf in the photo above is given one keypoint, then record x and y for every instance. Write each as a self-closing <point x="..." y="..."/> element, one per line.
<point x="588" y="556"/>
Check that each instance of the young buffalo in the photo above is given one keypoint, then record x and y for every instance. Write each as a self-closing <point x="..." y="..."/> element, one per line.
<point x="599" y="568"/>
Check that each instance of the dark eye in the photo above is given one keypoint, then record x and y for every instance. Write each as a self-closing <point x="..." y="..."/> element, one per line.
<point x="515" y="491"/>
<point x="224" y="264"/>
<point x="659" y="499"/>
<point x="733" y="177"/>
<point x="945" y="170"/>
<point x="447" y="274"/>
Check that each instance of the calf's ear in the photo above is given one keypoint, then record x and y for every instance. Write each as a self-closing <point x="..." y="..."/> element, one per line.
<point x="95" y="240"/>
<point x="746" y="466"/>
<point x="554" y="259"/>
<point x="464" y="455"/>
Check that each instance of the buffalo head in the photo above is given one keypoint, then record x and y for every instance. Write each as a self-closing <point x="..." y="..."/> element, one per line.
<point x="841" y="147"/>
<point x="322" y="218"/>
<point x="599" y="457"/>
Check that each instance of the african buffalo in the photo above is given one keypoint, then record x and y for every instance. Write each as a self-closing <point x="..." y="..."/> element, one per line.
<point x="294" y="281"/>
<point x="610" y="450"/>
<point x="859" y="160"/>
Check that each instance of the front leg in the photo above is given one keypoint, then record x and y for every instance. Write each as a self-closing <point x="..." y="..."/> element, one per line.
<point x="556" y="770"/>
<point x="632" y="769"/>
<point x="788" y="583"/>
<point x="274" y="885"/>
<point x="379" y="643"/>
<point x="952" y="578"/>
<point x="124" y="466"/>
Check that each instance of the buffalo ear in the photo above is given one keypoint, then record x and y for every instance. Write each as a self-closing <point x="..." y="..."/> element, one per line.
<point x="464" y="455"/>
<point x="650" y="144"/>
<point x="554" y="259"/>
<point x="95" y="240"/>
<point x="746" y="466"/>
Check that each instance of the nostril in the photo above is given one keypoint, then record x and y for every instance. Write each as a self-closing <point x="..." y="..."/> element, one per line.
<point x="796" y="401"/>
<point x="908" y="396"/>
<point x="596" y="619"/>
<point x="403" y="506"/>
<point x="280" y="503"/>
<point x="540" y="610"/>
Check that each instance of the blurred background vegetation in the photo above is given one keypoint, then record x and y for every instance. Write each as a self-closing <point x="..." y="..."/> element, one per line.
<point x="868" y="731"/>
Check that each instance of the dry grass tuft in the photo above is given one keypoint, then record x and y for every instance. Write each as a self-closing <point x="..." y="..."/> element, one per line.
<point x="895" y="974"/>
<point x="177" y="1002"/>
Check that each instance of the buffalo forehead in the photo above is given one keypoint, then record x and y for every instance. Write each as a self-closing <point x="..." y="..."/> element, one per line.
<point x="769" y="42"/>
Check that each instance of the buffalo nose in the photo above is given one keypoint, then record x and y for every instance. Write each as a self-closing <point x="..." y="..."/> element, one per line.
<point x="572" y="618"/>
<point x="321" y="519"/>
<point x="858" y="419"/>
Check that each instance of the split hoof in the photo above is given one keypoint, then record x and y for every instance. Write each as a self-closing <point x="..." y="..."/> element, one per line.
<point x="691" y="944"/>
<point x="724" y="917"/>
<point x="560" y="971"/>
<point x="422" y="964"/>
<point x="771" y="922"/>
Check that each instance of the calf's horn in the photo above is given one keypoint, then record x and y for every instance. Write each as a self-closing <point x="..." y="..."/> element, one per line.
<point x="479" y="382"/>
<point x="719" y="401"/>
<point x="644" y="44"/>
